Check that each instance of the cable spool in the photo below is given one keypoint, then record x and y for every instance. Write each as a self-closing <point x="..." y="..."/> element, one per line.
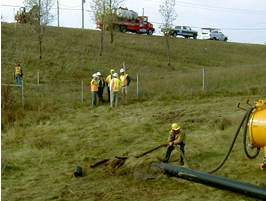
<point x="257" y="125"/>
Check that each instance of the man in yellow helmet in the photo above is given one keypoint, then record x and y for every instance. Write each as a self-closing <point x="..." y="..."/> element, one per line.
<point x="18" y="74"/>
<point x="176" y="137"/>
<point x="108" y="80"/>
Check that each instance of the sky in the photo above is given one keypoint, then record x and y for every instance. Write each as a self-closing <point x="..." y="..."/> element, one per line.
<point x="241" y="20"/>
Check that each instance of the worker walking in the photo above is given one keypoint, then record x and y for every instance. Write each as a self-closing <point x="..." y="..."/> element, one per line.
<point x="108" y="80"/>
<point x="94" y="89"/>
<point x="114" y="89"/>
<point x="101" y="86"/>
<point x="125" y="80"/>
<point x="176" y="137"/>
<point x="18" y="74"/>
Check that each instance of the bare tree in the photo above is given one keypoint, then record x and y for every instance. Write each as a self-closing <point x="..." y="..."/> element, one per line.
<point x="167" y="11"/>
<point x="40" y="16"/>
<point x="99" y="7"/>
<point x="105" y="12"/>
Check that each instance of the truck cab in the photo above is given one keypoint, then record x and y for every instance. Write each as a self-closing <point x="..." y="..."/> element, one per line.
<point x="145" y="26"/>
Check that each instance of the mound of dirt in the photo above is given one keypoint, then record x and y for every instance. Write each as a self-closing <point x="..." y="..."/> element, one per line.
<point x="140" y="168"/>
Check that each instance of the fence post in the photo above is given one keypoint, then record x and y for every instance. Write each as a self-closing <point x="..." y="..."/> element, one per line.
<point x="203" y="79"/>
<point x="82" y="91"/>
<point x="22" y="92"/>
<point x="38" y="78"/>
<point x="137" y="85"/>
<point x="124" y="66"/>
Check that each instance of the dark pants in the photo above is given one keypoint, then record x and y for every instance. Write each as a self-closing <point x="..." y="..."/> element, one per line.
<point x="108" y="89"/>
<point x="171" y="148"/>
<point x="100" y="94"/>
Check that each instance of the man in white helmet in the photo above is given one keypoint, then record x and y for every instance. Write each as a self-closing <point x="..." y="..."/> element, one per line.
<point x="94" y="89"/>
<point x="125" y="80"/>
<point x="114" y="90"/>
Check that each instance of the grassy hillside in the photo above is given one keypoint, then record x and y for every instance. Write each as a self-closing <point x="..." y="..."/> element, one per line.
<point x="53" y="133"/>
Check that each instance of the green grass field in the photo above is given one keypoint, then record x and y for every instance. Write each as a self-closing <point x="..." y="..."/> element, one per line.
<point x="45" y="140"/>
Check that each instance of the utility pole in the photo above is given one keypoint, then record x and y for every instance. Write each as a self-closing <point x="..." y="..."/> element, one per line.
<point x="142" y="11"/>
<point x="82" y="14"/>
<point x="57" y="13"/>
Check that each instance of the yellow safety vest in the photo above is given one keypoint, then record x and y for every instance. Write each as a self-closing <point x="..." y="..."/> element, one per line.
<point x="18" y="70"/>
<point x="115" y="85"/>
<point x="108" y="79"/>
<point x="94" y="85"/>
<point x="123" y="79"/>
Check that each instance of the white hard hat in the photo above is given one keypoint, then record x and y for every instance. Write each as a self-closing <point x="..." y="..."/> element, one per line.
<point x="94" y="75"/>
<point x="115" y="75"/>
<point x="98" y="73"/>
<point x="122" y="70"/>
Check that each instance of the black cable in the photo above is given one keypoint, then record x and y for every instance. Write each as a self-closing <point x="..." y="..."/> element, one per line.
<point x="232" y="145"/>
<point x="245" y="136"/>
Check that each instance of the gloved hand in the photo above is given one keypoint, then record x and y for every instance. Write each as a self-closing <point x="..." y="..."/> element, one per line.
<point x="171" y="143"/>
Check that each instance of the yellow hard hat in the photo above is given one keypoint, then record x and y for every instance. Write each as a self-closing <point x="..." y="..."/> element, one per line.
<point x="112" y="70"/>
<point x="175" y="126"/>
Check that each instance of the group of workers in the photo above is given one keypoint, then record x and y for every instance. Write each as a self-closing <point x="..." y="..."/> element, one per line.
<point x="115" y="83"/>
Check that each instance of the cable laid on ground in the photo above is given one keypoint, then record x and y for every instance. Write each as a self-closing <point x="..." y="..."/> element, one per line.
<point x="232" y="145"/>
<point x="247" y="114"/>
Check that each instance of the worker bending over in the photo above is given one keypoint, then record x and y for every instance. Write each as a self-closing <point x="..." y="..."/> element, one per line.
<point x="176" y="137"/>
<point x="125" y="80"/>
<point x="94" y="89"/>
<point x="114" y="90"/>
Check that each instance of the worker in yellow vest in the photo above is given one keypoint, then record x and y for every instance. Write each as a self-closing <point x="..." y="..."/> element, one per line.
<point x="176" y="137"/>
<point x="107" y="81"/>
<point x="125" y="80"/>
<point x="18" y="74"/>
<point x="114" y="89"/>
<point x="94" y="89"/>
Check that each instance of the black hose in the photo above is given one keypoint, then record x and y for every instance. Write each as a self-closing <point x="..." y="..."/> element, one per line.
<point x="231" y="147"/>
<point x="245" y="136"/>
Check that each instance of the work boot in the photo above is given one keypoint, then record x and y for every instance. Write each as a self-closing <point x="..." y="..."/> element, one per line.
<point x="181" y="162"/>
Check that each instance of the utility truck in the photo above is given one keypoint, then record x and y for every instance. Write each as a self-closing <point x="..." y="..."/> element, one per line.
<point x="129" y="21"/>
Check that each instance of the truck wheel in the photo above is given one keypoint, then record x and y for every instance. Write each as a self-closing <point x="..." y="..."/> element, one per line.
<point x="174" y="34"/>
<point x="225" y="39"/>
<point x="150" y="32"/>
<point x="123" y="29"/>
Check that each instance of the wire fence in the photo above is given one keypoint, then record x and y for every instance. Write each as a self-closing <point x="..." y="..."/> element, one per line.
<point x="73" y="92"/>
<point x="152" y="85"/>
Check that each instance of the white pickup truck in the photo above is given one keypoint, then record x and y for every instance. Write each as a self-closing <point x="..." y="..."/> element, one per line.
<point x="217" y="35"/>
<point x="213" y="34"/>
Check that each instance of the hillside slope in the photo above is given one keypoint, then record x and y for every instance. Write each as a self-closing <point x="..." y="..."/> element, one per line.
<point x="54" y="132"/>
